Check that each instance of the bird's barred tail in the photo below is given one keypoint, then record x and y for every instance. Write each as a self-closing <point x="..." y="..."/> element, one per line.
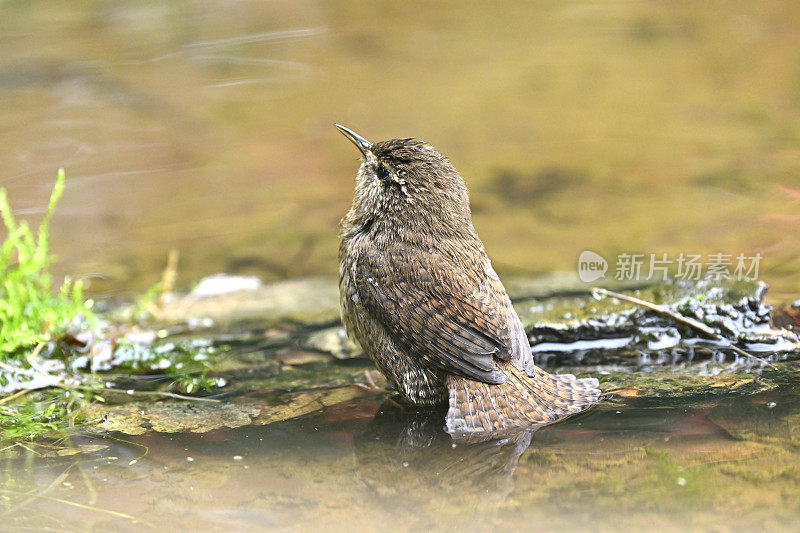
<point x="479" y="410"/>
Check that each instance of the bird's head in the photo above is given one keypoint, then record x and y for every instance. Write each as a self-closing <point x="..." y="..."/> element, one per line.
<point x="406" y="185"/>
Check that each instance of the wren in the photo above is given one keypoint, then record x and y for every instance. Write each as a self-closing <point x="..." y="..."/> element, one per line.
<point x="420" y="296"/>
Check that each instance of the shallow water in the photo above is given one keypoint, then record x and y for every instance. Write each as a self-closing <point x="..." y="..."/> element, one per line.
<point x="704" y="461"/>
<point x="207" y="127"/>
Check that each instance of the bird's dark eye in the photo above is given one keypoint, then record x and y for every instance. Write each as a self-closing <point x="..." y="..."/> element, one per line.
<point x="383" y="173"/>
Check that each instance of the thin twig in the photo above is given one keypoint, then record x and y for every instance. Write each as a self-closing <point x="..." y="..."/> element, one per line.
<point x="165" y="394"/>
<point x="9" y="447"/>
<point x="169" y="275"/>
<point x="32" y="358"/>
<point x="31" y="450"/>
<point x="15" y="395"/>
<point x="695" y="324"/>
<point x="130" y="443"/>
<point x="32" y="494"/>
<point x="76" y="504"/>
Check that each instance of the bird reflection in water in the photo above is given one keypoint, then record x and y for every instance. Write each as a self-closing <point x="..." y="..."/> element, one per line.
<point x="410" y="462"/>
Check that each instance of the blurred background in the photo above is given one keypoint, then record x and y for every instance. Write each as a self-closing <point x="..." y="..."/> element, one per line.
<point x="615" y="126"/>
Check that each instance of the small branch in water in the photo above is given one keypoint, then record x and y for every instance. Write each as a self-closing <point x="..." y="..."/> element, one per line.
<point x="15" y="395"/>
<point x="692" y="323"/>
<point x="164" y="394"/>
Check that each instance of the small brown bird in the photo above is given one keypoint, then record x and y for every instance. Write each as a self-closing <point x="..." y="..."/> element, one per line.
<point x="419" y="294"/>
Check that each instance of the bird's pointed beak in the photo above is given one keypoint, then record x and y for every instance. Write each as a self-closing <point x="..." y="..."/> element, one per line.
<point x="361" y="143"/>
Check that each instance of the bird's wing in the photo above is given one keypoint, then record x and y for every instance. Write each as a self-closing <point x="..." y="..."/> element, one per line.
<point x="435" y="308"/>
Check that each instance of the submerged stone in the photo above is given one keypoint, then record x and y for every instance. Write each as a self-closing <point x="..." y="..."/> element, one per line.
<point x="176" y="416"/>
<point x="169" y="416"/>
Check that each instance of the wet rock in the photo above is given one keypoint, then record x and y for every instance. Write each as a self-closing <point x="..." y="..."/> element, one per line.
<point x="304" y="301"/>
<point x="771" y="418"/>
<point x="579" y="330"/>
<point x="174" y="416"/>
<point x="333" y="341"/>
<point x="220" y="284"/>
<point x="278" y="352"/>
<point x="170" y="416"/>
<point x="69" y="451"/>
<point x="683" y="384"/>
<point x="303" y="403"/>
<point x="301" y="357"/>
